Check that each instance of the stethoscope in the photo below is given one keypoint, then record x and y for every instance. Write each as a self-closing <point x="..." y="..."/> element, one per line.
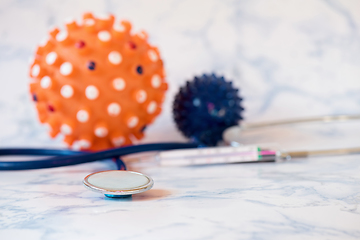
<point x="122" y="183"/>
<point x="206" y="110"/>
<point x="113" y="183"/>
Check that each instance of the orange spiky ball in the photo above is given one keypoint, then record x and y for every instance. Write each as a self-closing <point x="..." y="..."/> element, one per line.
<point x="96" y="83"/>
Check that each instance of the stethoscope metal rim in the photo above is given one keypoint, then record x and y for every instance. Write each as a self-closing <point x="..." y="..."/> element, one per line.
<point x="124" y="192"/>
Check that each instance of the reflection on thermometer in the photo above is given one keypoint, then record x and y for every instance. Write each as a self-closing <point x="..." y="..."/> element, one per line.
<point x="215" y="155"/>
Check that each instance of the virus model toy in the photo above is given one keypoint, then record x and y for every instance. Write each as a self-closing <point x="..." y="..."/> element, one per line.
<point x="205" y="107"/>
<point x="96" y="83"/>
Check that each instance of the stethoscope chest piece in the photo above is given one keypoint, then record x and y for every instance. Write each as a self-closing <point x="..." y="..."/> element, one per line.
<point x="117" y="183"/>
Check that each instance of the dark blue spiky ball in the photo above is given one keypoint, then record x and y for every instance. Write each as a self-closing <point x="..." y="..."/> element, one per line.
<point x="205" y="107"/>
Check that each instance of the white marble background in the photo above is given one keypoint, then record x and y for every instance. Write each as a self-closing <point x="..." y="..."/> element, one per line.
<point x="290" y="58"/>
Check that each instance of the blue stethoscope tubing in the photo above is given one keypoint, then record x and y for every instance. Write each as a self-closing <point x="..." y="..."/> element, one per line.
<point x="68" y="157"/>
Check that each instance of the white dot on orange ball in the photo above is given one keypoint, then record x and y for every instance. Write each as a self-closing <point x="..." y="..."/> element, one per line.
<point x="51" y="58"/>
<point x="115" y="57"/>
<point x="91" y="92"/>
<point x="119" y="27"/>
<point x="132" y="122"/>
<point x="101" y="132"/>
<point x="151" y="108"/>
<point x="66" y="68"/>
<point x="119" y="84"/>
<point x="83" y="143"/>
<point x="89" y="22"/>
<point x="141" y="96"/>
<point x="153" y="55"/>
<point x="35" y="71"/>
<point x="118" y="141"/>
<point x="67" y="91"/>
<point x="62" y="36"/>
<point x="142" y="35"/>
<point x="45" y="82"/>
<point x="44" y="41"/>
<point x="82" y="116"/>
<point x="114" y="109"/>
<point x="65" y="129"/>
<point x="155" y="81"/>
<point x="104" y="36"/>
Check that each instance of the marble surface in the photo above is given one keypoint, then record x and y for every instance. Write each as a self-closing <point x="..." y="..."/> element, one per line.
<point x="315" y="198"/>
<point x="290" y="58"/>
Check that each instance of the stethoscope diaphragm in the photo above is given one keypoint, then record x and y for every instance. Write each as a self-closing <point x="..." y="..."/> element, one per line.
<point x="118" y="183"/>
